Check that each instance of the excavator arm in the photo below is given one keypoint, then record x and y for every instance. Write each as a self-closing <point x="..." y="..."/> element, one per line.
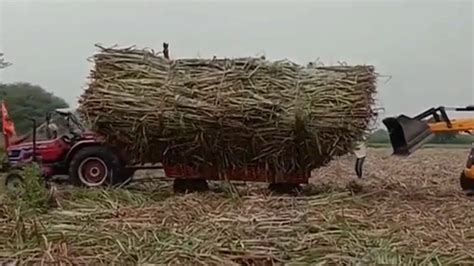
<point x="458" y="125"/>
<point x="408" y="134"/>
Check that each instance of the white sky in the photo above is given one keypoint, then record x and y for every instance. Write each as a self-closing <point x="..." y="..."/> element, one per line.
<point x="426" y="47"/>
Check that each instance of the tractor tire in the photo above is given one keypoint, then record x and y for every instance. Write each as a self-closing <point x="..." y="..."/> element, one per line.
<point x="95" y="166"/>
<point x="14" y="183"/>
<point x="466" y="183"/>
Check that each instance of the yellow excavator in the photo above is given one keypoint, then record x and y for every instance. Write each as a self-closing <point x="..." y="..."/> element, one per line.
<point x="408" y="134"/>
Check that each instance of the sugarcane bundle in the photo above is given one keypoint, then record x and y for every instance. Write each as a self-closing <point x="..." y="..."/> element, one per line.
<point x="227" y="112"/>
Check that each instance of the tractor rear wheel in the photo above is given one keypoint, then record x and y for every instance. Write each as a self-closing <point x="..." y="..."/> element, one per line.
<point x="95" y="166"/>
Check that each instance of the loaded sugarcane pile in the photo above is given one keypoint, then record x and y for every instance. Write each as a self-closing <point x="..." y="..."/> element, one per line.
<point x="227" y="112"/>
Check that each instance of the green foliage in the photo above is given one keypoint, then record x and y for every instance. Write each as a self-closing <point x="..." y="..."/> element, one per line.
<point x="379" y="136"/>
<point x="25" y="101"/>
<point x="33" y="197"/>
<point x="36" y="195"/>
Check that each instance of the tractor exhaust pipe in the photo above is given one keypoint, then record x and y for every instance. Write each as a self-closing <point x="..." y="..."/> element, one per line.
<point x="34" y="140"/>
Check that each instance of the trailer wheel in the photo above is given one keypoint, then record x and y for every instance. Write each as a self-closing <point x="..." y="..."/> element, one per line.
<point x="14" y="183"/>
<point x="285" y="188"/>
<point x="183" y="185"/>
<point x="94" y="166"/>
<point x="126" y="177"/>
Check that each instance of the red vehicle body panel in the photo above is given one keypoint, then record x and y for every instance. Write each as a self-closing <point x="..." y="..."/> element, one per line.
<point x="46" y="151"/>
<point x="49" y="153"/>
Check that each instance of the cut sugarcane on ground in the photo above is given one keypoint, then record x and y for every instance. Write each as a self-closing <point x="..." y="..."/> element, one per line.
<point x="228" y="112"/>
<point x="406" y="211"/>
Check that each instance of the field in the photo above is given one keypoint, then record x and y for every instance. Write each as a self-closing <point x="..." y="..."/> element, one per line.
<point x="405" y="211"/>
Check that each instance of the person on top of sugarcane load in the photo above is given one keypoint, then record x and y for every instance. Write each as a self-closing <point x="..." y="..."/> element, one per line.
<point x="166" y="51"/>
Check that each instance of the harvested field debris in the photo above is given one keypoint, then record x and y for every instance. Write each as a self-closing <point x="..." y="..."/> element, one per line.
<point x="228" y="112"/>
<point x="409" y="212"/>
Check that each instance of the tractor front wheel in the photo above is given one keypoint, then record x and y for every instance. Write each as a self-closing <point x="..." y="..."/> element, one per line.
<point x="14" y="183"/>
<point x="95" y="166"/>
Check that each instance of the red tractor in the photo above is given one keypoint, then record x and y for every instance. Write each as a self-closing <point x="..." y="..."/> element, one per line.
<point x="64" y="147"/>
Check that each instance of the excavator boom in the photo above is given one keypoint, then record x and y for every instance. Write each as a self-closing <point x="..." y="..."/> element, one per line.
<point x="457" y="125"/>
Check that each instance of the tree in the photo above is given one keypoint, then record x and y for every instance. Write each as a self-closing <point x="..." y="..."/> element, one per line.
<point x="25" y="101"/>
<point x="379" y="136"/>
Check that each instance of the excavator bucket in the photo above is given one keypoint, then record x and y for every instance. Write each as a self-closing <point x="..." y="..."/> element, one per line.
<point x="407" y="134"/>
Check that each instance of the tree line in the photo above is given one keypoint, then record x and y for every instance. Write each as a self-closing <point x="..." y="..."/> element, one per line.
<point x="25" y="101"/>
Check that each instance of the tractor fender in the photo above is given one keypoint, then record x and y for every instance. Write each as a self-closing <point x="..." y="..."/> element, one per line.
<point x="86" y="143"/>
<point x="78" y="146"/>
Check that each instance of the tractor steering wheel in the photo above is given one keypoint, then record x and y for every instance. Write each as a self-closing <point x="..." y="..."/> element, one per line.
<point x="66" y="138"/>
<point x="71" y="136"/>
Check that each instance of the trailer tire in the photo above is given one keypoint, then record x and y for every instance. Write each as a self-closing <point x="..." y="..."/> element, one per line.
<point x="126" y="177"/>
<point x="285" y="188"/>
<point x="183" y="185"/>
<point x="95" y="166"/>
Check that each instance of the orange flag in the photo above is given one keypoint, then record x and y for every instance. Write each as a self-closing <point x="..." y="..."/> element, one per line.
<point x="7" y="125"/>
